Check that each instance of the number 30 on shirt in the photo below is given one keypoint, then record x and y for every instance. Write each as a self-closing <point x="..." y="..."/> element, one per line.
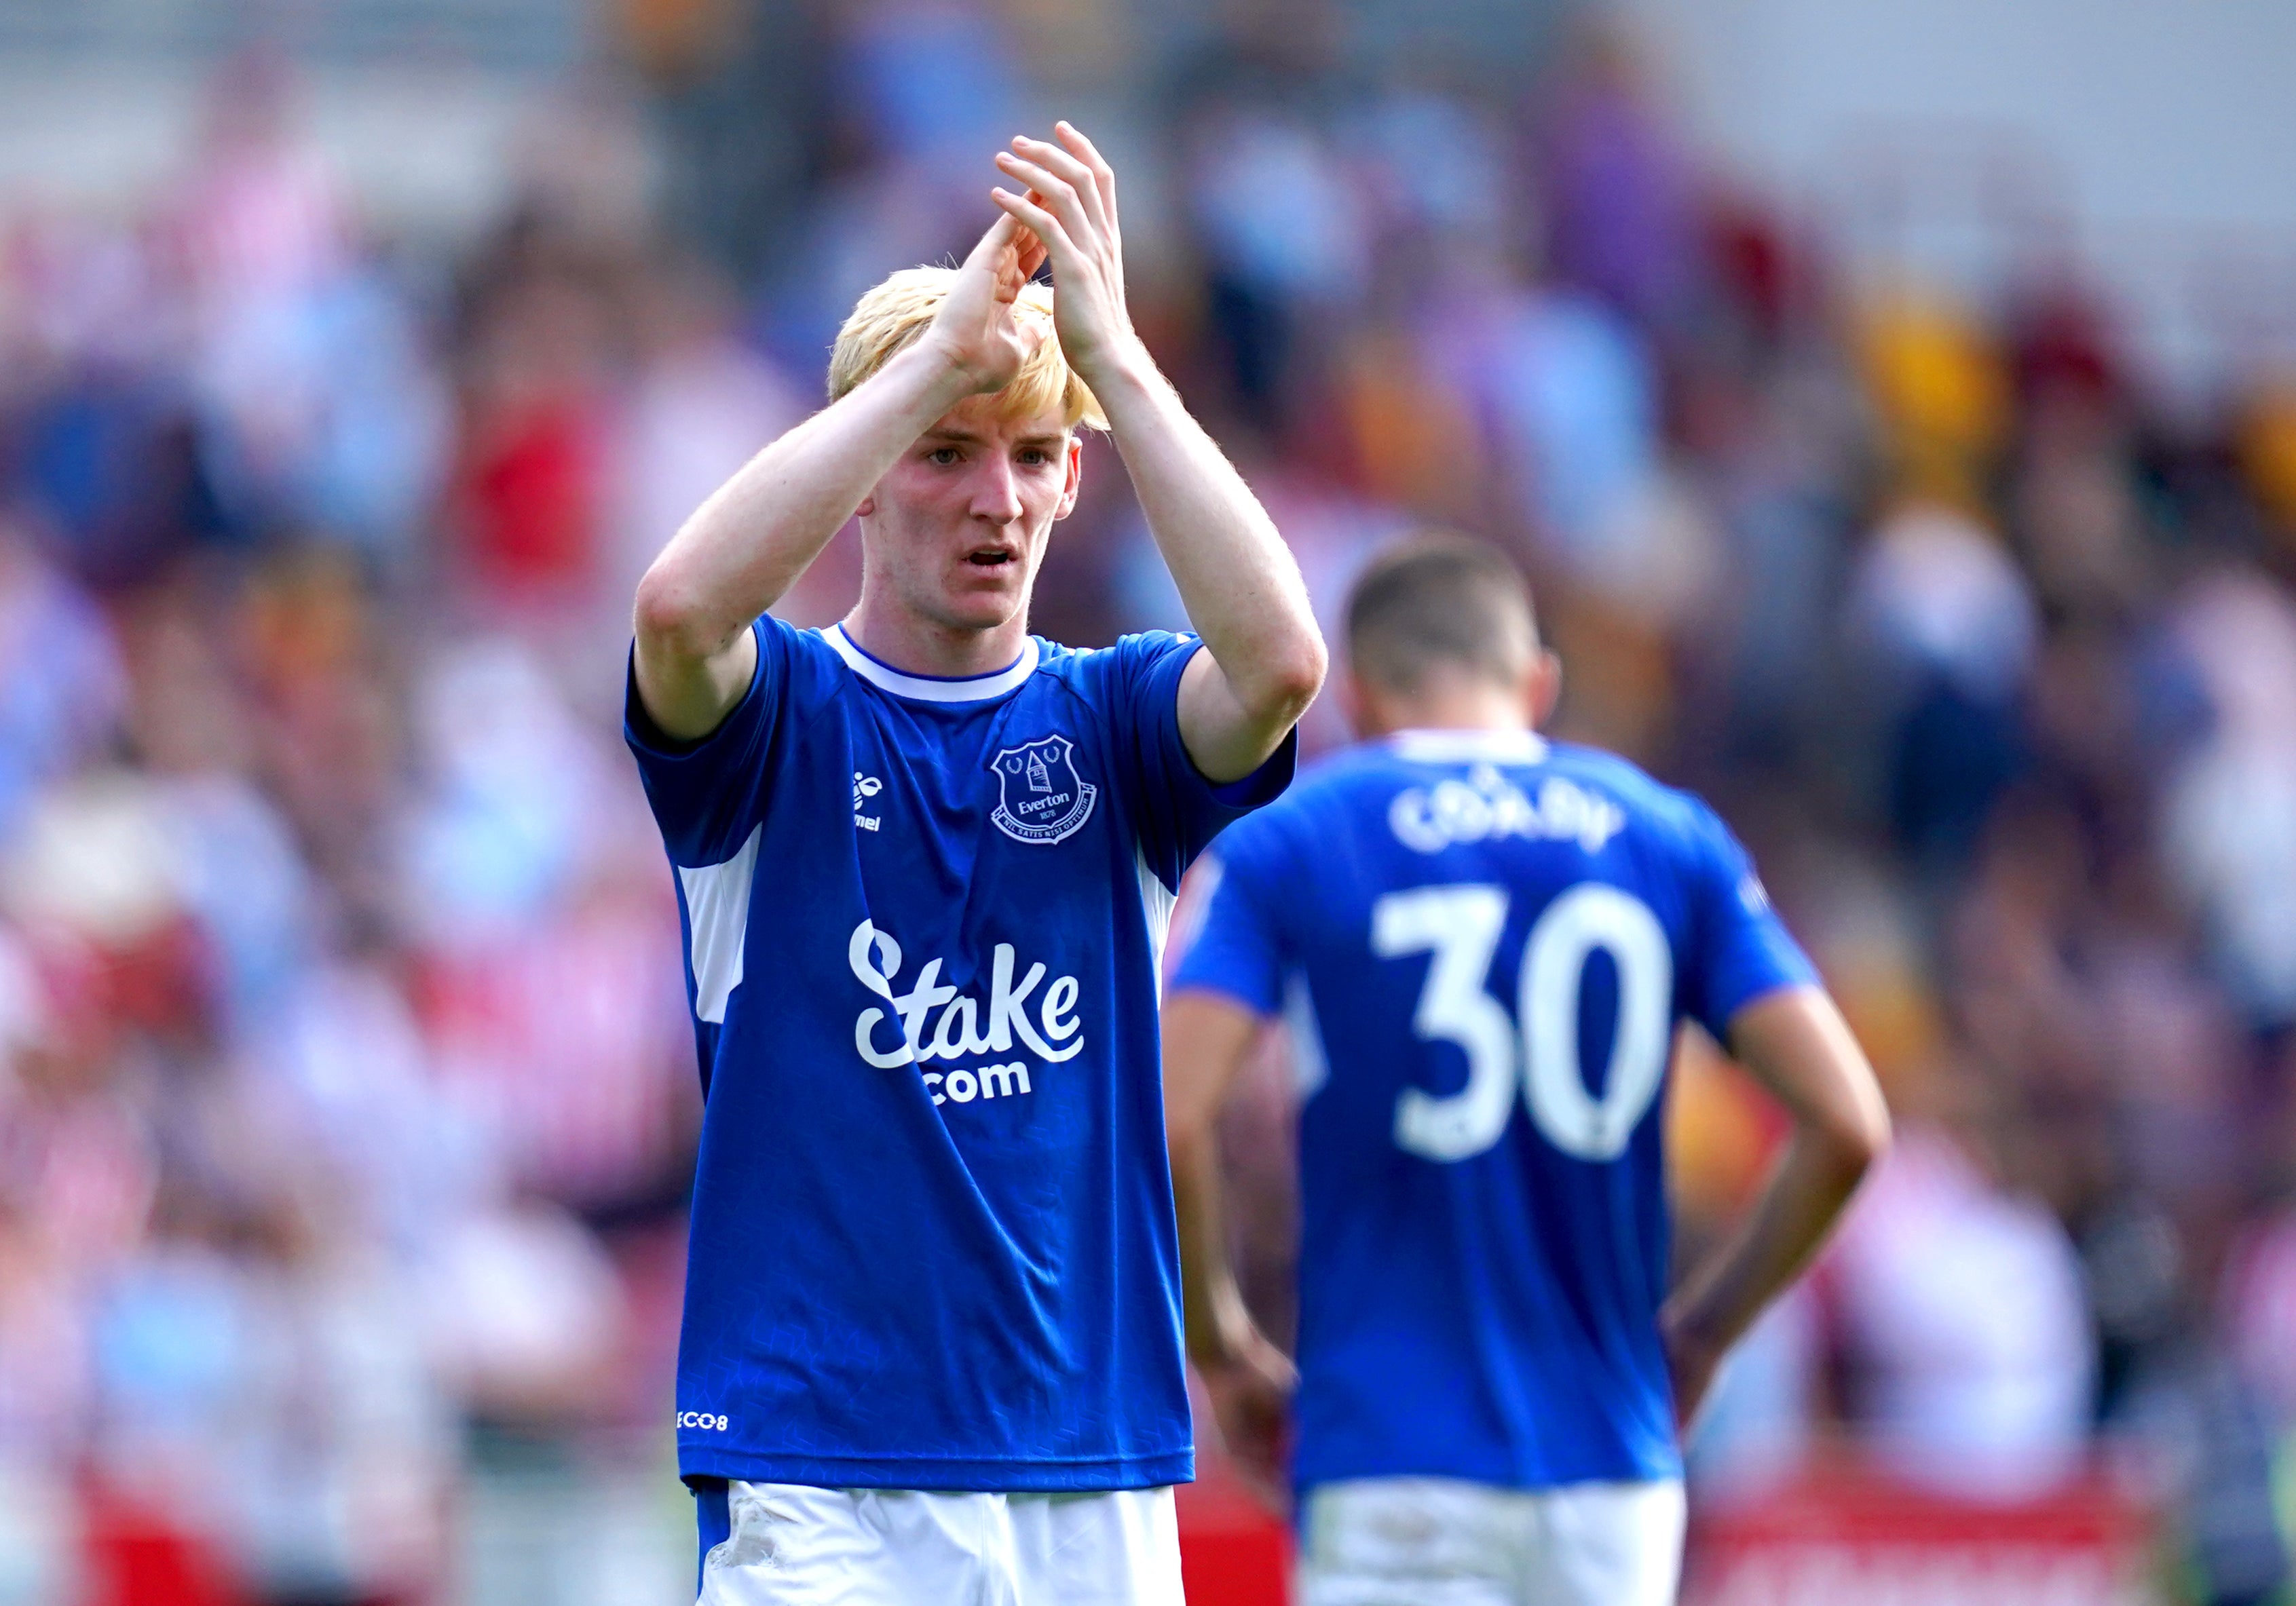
<point x="1460" y="926"/>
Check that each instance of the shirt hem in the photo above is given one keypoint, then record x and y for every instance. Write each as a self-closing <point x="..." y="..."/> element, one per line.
<point x="1662" y="1469"/>
<point x="954" y="1476"/>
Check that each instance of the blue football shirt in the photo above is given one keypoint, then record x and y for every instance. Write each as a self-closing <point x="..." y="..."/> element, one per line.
<point x="932" y="1240"/>
<point x="1483" y="944"/>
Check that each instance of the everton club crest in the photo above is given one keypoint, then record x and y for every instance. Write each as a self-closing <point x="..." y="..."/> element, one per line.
<point x="1040" y="796"/>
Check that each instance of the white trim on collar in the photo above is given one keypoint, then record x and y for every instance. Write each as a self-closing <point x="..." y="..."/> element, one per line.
<point x="928" y="688"/>
<point x="1465" y="747"/>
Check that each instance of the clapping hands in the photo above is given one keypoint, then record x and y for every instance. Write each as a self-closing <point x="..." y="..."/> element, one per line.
<point x="1070" y="212"/>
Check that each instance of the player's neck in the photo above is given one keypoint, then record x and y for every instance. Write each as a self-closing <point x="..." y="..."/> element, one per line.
<point x="1450" y="706"/>
<point x="906" y="641"/>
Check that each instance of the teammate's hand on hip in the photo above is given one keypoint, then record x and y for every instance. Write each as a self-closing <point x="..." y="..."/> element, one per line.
<point x="974" y="329"/>
<point x="1070" y="207"/>
<point x="1250" y="1388"/>
<point x="1691" y="1363"/>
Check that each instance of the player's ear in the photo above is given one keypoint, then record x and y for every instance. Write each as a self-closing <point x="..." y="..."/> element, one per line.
<point x="1359" y="704"/>
<point x="1075" y="481"/>
<point x="869" y="502"/>
<point x="1543" y="688"/>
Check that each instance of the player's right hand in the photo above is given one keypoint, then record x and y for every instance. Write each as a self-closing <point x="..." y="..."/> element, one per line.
<point x="1250" y="1386"/>
<point x="1070" y="205"/>
<point x="975" y="331"/>
<point x="1691" y="1365"/>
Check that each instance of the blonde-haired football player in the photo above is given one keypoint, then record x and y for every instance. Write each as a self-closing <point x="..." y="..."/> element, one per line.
<point x="932" y="1346"/>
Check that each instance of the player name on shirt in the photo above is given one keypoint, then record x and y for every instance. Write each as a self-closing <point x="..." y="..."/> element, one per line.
<point x="1486" y="806"/>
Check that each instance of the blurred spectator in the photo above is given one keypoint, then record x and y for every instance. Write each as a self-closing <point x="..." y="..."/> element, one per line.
<point x="319" y="413"/>
<point x="1963" y="1305"/>
<point x="701" y="405"/>
<point x="60" y="670"/>
<point x="2231" y="808"/>
<point x="535" y="432"/>
<point x="1949" y="622"/>
<point x="1284" y="242"/>
<point x="1622" y="192"/>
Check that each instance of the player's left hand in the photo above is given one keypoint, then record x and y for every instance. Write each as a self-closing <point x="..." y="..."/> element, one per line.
<point x="1691" y="1363"/>
<point x="1250" y="1387"/>
<point x="1070" y="207"/>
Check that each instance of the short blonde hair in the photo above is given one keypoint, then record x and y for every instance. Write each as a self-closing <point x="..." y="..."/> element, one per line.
<point x="891" y="316"/>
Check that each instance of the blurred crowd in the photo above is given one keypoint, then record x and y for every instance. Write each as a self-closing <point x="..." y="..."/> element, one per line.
<point x="346" y="1092"/>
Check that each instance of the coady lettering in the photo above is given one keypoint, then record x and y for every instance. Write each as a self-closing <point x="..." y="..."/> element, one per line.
<point x="1487" y="806"/>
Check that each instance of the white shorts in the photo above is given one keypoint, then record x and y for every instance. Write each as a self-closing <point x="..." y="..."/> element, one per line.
<point x="1442" y="1542"/>
<point x="794" y="1546"/>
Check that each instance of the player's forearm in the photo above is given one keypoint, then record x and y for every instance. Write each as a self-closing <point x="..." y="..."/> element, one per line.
<point x="1206" y="1035"/>
<point x="1242" y="586"/>
<point x="747" y="544"/>
<point x="1795" y="1042"/>
<point x="1806" y="1194"/>
<point x="1218" y="1319"/>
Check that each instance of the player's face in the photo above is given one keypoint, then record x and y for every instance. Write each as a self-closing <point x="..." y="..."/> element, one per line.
<point x="958" y="526"/>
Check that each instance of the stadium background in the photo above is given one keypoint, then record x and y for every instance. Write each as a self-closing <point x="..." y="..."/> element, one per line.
<point x="1895" y="404"/>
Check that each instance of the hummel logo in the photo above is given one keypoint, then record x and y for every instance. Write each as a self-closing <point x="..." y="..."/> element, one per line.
<point x="865" y="787"/>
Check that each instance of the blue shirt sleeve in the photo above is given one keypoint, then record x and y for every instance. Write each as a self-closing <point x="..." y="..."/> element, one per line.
<point x="708" y="795"/>
<point x="1237" y="947"/>
<point x="1741" y="949"/>
<point x="1179" y="811"/>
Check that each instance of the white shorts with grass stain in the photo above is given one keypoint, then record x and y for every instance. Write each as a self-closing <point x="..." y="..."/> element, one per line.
<point x="1443" y="1542"/>
<point x="794" y="1546"/>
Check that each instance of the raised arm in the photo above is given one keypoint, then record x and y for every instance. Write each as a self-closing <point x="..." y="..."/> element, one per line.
<point x="1263" y="658"/>
<point x="748" y="543"/>
<point x="1797" y="1045"/>
<point x="1206" y="1035"/>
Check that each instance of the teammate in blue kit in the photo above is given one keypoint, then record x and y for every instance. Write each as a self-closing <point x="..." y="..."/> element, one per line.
<point x="1483" y="944"/>
<point x="932" y="1347"/>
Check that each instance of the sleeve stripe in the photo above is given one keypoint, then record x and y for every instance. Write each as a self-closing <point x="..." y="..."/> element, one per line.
<point x="718" y="913"/>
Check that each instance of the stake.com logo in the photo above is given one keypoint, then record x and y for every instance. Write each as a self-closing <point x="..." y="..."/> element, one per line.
<point x="876" y="959"/>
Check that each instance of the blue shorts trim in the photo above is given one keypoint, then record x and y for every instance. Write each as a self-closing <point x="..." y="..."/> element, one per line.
<point x="714" y="1517"/>
<point x="699" y="1463"/>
